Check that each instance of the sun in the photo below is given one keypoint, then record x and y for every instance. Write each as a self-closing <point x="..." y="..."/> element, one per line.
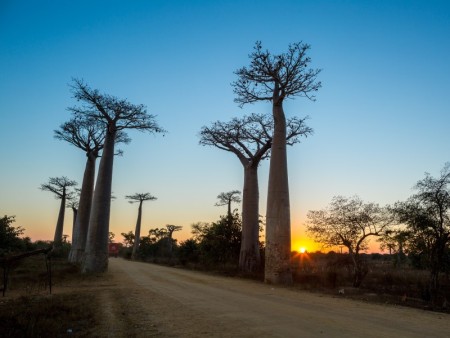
<point x="302" y="250"/>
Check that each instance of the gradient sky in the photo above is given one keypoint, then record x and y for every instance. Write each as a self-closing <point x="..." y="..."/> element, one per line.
<point x="381" y="119"/>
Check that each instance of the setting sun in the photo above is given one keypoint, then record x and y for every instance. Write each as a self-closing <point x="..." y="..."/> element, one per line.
<point x="302" y="250"/>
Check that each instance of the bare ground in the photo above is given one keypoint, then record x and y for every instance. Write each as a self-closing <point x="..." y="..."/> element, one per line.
<point x="147" y="300"/>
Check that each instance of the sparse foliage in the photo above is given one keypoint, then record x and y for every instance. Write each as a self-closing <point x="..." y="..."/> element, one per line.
<point x="138" y="198"/>
<point x="116" y="115"/>
<point x="226" y="198"/>
<point x="273" y="78"/>
<point x="427" y="216"/>
<point x="250" y="139"/>
<point x="349" y="222"/>
<point x="60" y="187"/>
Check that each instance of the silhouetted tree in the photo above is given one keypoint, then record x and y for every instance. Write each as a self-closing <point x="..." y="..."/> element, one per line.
<point x="138" y="198"/>
<point x="88" y="135"/>
<point x="349" y="222"/>
<point x="111" y="236"/>
<point x="274" y="78"/>
<point x="396" y="242"/>
<point x="116" y="114"/>
<point x="128" y="238"/>
<point x="427" y="217"/>
<point x="250" y="139"/>
<point x="59" y="186"/>
<point x="170" y="230"/>
<point x="10" y="236"/>
<point x="73" y="203"/>
<point x="226" y="198"/>
<point x="219" y="242"/>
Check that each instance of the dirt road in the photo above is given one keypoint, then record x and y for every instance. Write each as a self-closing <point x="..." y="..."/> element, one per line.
<point x="147" y="300"/>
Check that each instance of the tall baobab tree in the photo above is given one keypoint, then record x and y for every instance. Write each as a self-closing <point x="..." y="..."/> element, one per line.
<point x="116" y="115"/>
<point x="138" y="198"/>
<point x="274" y="78"/>
<point x="226" y="198"/>
<point x="250" y="139"/>
<point x="59" y="186"/>
<point x="89" y="136"/>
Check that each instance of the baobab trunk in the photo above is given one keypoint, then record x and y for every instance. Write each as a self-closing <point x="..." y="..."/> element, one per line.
<point x="137" y="233"/>
<point x="60" y="222"/>
<point x="278" y="224"/>
<point x="96" y="252"/>
<point x="84" y="211"/>
<point x="249" y="258"/>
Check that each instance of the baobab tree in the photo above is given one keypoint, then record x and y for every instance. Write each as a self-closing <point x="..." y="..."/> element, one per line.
<point x="274" y="78"/>
<point x="250" y="139"/>
<point x="59" y="186"/>
<point x="116" y="115"/>
<point x="138" y="198"/>
<point x="89" y="136"/>
<point x="226" y="198"/>
<point x="73" y="203"/>
<point x="170" y="230"/>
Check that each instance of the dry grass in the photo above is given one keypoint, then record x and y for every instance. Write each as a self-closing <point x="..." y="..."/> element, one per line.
<point x="384" y="283"/>
<point x="28" y="310"/>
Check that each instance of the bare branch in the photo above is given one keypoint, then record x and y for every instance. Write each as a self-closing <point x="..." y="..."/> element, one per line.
<point x="276" y="76"/>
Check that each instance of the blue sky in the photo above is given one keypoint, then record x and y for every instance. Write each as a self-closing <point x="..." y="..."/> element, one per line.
<point x="381" y="119"/>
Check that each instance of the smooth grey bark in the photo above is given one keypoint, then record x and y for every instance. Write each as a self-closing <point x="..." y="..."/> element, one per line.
<point x="96" y="251"/>
<point x="137" y="232"/>
<point x="84" y="210"/>
<point x="59" y="186"/>
<point x="278" y="219"/>
<point x="57" y="239"/>
<point x="250" y="139"/>
<point x="273" y="78"/>
<point x="249" y="257"/>
<point x="117" y="115"/>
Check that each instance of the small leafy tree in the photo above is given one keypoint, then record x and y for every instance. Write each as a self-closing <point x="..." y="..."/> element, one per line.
<point x="219" y="242"/>
<point x="349" y="222"/>
<point x="426" y="215"/>
<point x="128" y="238"/>
<point x="10" y="236"/>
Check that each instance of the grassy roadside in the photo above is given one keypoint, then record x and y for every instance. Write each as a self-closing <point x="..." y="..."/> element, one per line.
<point x="28" y="310"/>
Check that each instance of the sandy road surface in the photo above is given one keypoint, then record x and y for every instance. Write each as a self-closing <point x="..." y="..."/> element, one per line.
<point x="148" y="300"/>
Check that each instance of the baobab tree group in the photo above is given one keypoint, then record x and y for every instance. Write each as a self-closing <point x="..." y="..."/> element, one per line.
<point x="100" y="122"/>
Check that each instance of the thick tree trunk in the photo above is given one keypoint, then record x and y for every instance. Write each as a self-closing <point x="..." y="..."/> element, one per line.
<point x="75" y="213"/>
<point x="249" y="258"/>
<point x="278" y="223"/>
<point x="57" y="240"/>
<point x="84" y="210"/>
<point x="137" y="233"/>
<point x="96" y="252"/>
